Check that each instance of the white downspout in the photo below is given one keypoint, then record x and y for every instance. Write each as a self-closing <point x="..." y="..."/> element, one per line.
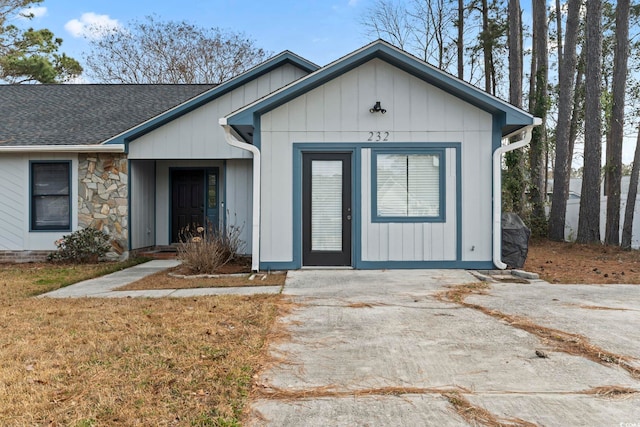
<point x="497" y="187"/>
<point x="255" y="236"/>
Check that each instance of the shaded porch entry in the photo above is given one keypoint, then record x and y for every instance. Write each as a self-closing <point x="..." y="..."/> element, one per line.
<point x="194" y="199"/>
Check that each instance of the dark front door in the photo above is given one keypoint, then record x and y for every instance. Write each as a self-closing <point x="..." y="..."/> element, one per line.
<point x="326" y="209"/>
<point x="187" y="201"/>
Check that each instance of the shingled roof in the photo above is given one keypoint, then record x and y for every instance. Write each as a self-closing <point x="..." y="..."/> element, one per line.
<point x="82" y="114"/>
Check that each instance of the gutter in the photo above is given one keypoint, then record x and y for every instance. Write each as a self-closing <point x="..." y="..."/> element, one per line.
<point x="255" y="236"/>
<point x="497" y="186"/>
<point x="102" y="148"/>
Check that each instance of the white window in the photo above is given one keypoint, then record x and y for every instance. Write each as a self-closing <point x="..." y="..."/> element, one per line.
<point x="50" y="196"/>
<point x="408" y="187"/>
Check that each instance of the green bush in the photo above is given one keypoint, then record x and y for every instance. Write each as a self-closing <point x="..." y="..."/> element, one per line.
<point x="83" y="246"/>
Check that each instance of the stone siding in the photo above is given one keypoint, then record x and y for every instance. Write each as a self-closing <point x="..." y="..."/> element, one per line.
<point x="103" y="197"/>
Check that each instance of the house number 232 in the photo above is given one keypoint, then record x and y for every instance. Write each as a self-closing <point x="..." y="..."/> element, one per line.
<point x="378" y="136"/>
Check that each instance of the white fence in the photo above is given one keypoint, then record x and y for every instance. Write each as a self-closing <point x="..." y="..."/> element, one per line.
<point x="573" y="212"/>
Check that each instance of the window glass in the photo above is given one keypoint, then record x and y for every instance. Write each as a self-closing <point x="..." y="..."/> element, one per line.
<point x="50" y="196"/>
<point x="212" y="196"/>
<point x="50" y="178"/>
<point x="326" y="205"/>
<point x="408" y="185"/>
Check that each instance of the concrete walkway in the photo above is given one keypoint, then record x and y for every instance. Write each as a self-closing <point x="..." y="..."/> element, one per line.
<point x="376" y="348"/>
<point x="104" y="287"/>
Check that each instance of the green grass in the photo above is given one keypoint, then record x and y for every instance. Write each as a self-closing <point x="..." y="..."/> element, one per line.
<point x="38" y="278"/>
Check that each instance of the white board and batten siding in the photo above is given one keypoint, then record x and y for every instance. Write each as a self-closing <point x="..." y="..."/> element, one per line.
<point x="338" y="112"/>
<point x="14" y="202"/>
<point x="197" y="134"/>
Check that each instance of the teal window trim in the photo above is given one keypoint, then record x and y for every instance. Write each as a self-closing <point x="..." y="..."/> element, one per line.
<point x="32" y="196"/>
<point x="441" y="155"/>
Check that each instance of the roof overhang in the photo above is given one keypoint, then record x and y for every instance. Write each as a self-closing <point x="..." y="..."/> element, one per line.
<point x="101" y="148"/>
<point x="512" y="118"/>
<point x="277" y="61"/>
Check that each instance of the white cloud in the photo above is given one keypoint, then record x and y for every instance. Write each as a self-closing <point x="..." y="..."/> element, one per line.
<point x="353" y="2"/>
<point x="33" y="11"/>
<point x="91" y="25"/>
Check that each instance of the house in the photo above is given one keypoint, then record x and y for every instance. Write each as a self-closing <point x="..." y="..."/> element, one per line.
<point x="377" y="160"/>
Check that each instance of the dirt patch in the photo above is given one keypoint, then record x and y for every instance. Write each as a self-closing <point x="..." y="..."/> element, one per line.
<point x="476" y="415"/>
<point x="561" y="262"/>
<point x="173" y="279"/>
<point x="612" y="392"/>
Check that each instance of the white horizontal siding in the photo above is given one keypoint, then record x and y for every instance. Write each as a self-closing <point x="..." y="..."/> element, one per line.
<point x="14" y="184"/>
<point x="14" y="202"/>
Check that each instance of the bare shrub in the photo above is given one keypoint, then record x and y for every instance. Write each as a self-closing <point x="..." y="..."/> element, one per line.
<point x="204" y="250"/>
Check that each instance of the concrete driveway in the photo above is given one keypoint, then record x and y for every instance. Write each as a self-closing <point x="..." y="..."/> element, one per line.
<point x="376" y="348"/>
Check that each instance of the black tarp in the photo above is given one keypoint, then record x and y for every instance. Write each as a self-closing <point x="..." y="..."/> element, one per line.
<point x="515" y="240"/>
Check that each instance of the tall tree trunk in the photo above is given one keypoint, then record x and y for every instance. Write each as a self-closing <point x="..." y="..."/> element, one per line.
<point x="460" y="40"/>
<point x="627" y="228"/>
<point x="562" y="170"/>
<point x="486" y="47"/>
<point x="539" y="71"/>
<point x="514" y="160"/>
<point x="616" y="125"/>
<point x="578" y="108"/>
<point x="589" y="222"/>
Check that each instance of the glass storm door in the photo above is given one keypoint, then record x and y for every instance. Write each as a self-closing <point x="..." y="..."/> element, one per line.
<point x="326" y="210"/>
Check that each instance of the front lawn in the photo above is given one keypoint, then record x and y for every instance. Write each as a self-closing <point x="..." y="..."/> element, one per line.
<point x="95" y="362"/>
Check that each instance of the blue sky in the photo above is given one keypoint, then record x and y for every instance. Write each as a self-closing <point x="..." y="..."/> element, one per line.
<point x="318" y="30"/>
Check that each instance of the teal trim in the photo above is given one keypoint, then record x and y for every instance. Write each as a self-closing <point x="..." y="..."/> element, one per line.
<point x="297" y="208"/>
<point x="514" y="117"/>
<point x="356" y="170"/>
<point x="278" y="265"/>
<point x="298" y="150"/>
<point x="32" y="227"/>
<point x="200" y="100"/>
<point x="212" y="213"/>
<point x="496" y="131"/>
<point x="440" y="153"/>
<point x="356" y="204"/>
<point x="387" y="265"/>
<point x="224" y="194"/>
<point x="458" y="201"/>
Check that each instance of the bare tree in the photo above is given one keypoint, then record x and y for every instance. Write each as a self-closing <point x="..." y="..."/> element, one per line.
<point x="460" y="39"/>
<point x="153" y="51"/>
<point x="390" y="21"/>
<point x="562" y="170"/>
<point x="613" y="168"/>
<point x="435" y="19"/>
<point x="589" y="221"/>
<point x="427" y="28"/>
